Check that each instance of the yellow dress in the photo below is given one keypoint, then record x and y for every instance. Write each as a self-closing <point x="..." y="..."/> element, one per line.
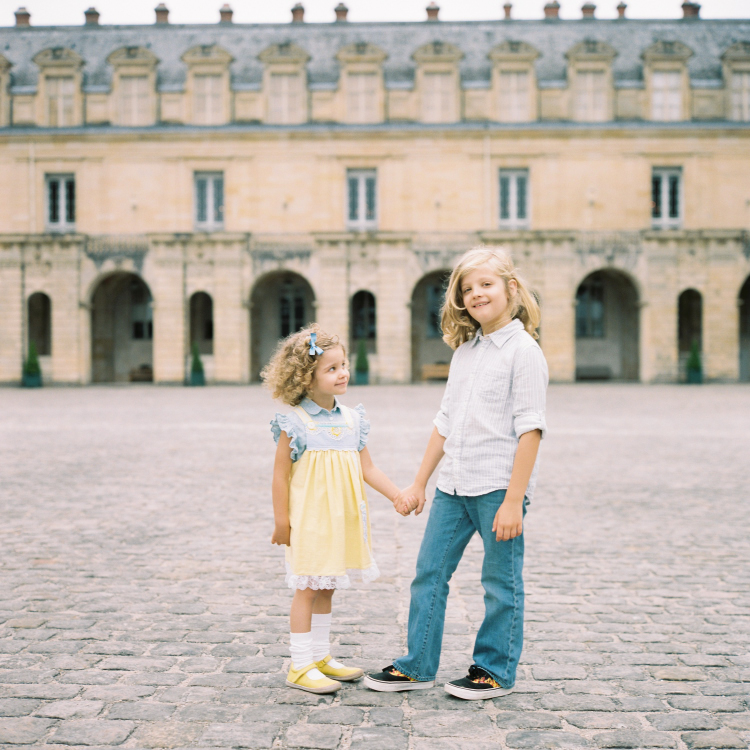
<point x="328" y="511"/>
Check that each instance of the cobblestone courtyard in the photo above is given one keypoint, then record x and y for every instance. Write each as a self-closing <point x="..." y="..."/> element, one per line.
<point x="141" y="604"/>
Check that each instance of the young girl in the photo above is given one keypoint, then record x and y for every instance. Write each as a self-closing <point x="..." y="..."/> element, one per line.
<point x="319" y="501"/>
<point x="489" y="427"/>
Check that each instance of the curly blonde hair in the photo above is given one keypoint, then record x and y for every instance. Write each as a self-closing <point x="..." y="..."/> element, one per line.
<point x="290" y="372"/>
<point x="457" y="325"/>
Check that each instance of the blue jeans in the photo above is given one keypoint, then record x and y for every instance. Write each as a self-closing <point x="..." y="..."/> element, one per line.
<point x="452" y="522"/>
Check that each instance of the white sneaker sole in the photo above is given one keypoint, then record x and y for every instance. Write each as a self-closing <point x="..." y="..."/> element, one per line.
<point x="317" y="691"/>
<point x="396" y="687"/>
<point x="475" y="695"/>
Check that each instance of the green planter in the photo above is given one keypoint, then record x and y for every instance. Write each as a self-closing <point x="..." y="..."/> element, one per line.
<point x="361" y="364"/>
<point x="31" y="381"/>
<point x="694" y="366"/>
<point x="694" y="376"/>
<point x="197" y="378"/>
<point x="31" y="373"/>
<point x="361" y="378"/>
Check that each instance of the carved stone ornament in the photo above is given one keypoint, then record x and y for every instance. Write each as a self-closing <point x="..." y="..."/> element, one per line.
<point x="207" y="53"/>
<point x="437" y="51"/>
<point x="284" y="52"/>
<point x="58" y="57"/>
<point x="133" y="56"/>
<point x="667" y="50"/>
<point x="739" y="52"/>
<point x="361" y="52"/>
<point x="512" y="51"/>
<point x="592" y="49"/>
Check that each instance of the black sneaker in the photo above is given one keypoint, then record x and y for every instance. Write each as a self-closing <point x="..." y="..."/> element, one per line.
<point x="390" y="680"/>
<point x="477" y="686"/>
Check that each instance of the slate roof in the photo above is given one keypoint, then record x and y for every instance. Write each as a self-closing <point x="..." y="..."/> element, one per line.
<point x="706" y="37"/>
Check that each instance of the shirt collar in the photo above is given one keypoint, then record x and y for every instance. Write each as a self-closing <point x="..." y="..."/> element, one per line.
<point x="312" y="408"/>
<point x="501" y="335"/>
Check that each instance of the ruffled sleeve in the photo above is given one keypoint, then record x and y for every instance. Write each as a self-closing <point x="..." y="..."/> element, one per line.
<point x="293" y="429"/>
<point x="364" y="426"/>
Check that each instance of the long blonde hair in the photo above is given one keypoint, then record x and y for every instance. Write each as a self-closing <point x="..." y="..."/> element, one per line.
<point x="458" y="326"/>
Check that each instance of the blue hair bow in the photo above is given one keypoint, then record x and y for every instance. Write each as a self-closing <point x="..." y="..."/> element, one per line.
<point x="314" y="348"/>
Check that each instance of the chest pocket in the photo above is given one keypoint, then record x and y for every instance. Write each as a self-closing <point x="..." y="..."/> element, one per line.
<point x="493" y="383"/>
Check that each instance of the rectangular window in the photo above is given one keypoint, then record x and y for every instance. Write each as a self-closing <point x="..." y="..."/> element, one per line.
<point x="134" y="100"/>
<point x="741" y="95"/>
<point x="60" y="97"/>
<point x="514" y="198"/>
<point x="61" y="203"/>
<point x="208" y="100"/>
<point x="285" y="98"/>
<point x="361" y="188"/>
<point x="209" y="201"/>
<point x="514" y="96"/>
<point x="666" y="198"/>
<point x="362" y="97"/>
<point x="438" y="97"/>
<point x="666" y="95"/>
<point x="590" y="96"/>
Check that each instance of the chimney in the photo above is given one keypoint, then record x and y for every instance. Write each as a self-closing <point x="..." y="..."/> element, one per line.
<point x="225" y="13"/>
<point x="621" y="10"/>
<point x="92" y="16"/>
<point x="432" y="11"/>
<point x="162" y="13"/>
<point x="23" y="17"/>
<point x="691" y="10"/>
<point x="552" y="11"/>
<point x="507" y="8"/>
<point x="588" y="10"/>
<point x="298" y="13"/>
<point x="341" y="11"/>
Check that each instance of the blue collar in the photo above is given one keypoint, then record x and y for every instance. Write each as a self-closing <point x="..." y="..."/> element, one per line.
<point x="501" y="335"/>
<point x="312" y="408"/>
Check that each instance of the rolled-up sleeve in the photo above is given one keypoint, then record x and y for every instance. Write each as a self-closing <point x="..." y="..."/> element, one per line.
<point x="529" y="389"/>
<point x="442" y="421"/>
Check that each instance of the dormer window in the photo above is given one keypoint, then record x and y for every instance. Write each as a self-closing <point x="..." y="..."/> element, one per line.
<point x="736" y="62"/>
<point x="438" y="81"/>
<point x="590" y="81"/>
<point x="361" y="87"/>
<point x="667" y="81"/>
<point x="133" y="86"/>
<point x="209" y="94"/>
<point x="285" y="83"/>
<point x="513" y="82"/>
<point x="666" y="95"/>
<point x="60" y="103"/>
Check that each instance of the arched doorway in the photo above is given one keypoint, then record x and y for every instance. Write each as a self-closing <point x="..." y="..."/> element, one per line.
<point x="122" y="330"/>
<point x="40" y="323"/>
<point x="364" y="321"/>
<point x="744" y="308"/>
<point x="281" y="304"/>
<point x="430" y="355"/>
<point x="689" y="327"/>
<point x="607" y="327"/>
<point x="202" y="323"/>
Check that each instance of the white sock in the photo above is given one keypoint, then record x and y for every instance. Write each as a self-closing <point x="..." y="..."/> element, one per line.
<point x="321" y="634"/>
<point x="301" y="650"/>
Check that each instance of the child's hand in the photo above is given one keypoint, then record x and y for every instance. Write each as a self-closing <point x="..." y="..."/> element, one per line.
<point x="417" y="499"/>
<point x="401" y="504"/>
<point x="508" y="521"/>
<point x="281" y="534"/>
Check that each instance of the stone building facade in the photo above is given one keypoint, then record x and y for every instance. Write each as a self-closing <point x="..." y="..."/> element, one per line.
<point x="219" y="186"/>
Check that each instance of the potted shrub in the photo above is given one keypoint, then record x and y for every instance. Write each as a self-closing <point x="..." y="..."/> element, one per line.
<point x="362" y="366"/>
<point x="693" y="366"/>
<point x="197" y="376"/>
<point x="31" y="376"/>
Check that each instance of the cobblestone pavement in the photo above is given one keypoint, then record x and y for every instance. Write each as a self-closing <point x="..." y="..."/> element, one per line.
<point x="141" y="604"/>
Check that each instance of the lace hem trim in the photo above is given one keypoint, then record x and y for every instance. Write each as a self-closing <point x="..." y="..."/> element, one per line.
<point x="316" y="583"/>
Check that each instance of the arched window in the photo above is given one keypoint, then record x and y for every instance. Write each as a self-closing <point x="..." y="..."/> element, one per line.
<point x="363" y="320"/>
<point x="40" y="323"/>
<point x="690" y="321"/>
<point x="202" y="322"/>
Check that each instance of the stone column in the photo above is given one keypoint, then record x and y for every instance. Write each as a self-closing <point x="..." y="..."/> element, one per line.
<point x="11" y="313"/>
<point x="332" y="289"/>
<point x="231" y="319"/>
<point x="67" y="336"/>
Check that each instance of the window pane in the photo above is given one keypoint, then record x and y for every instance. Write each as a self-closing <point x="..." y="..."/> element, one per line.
<point x="370" y="197"/>
<point x="70" y="201"/>
<point x="299" y="311"/>
<point x="505" y="197"/>
<point x="201" y="193"/>
<point x="353" y="199"/>
<point x="219" y="199"/>
<point x="54" y="201"/>
<point x="521" y="197"/>
<point x="674" y="196"/>
<point x="656" y="196"/>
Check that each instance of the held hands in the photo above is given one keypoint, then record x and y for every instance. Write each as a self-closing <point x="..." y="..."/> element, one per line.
<point x="281" y="534"/>
<point x="508" y="523"/>
<point x="410" y="499"/>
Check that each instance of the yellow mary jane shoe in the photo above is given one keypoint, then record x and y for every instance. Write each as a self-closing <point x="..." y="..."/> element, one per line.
<point x="298" y="678"/>
<point x="344" y="674"/>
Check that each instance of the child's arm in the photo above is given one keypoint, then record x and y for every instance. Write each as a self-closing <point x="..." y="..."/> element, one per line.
<point x="432" y="456"/>
<point x="282" y="467"/>
<point x="379" y="481"/>
<point x="508" y="521"/>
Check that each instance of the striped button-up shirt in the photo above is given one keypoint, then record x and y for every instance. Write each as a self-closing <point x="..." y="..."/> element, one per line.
<point x="496" y="392"/>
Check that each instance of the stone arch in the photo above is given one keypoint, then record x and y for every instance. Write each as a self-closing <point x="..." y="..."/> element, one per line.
<point x="201" y="312"/>
<point x="281" y="303"/>
<point x="607" y="326"/>
<point x="430" y="355"/>
<point x="363" y="321"/>
<point x="689" y="326"/>
<point x="39" y="310"/>
<point x="122" y="330"/>
<point x="744" y="312"/>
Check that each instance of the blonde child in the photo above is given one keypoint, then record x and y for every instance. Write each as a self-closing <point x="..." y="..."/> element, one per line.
<point x="488" y="428"/>
<point x="319" y="501"/>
